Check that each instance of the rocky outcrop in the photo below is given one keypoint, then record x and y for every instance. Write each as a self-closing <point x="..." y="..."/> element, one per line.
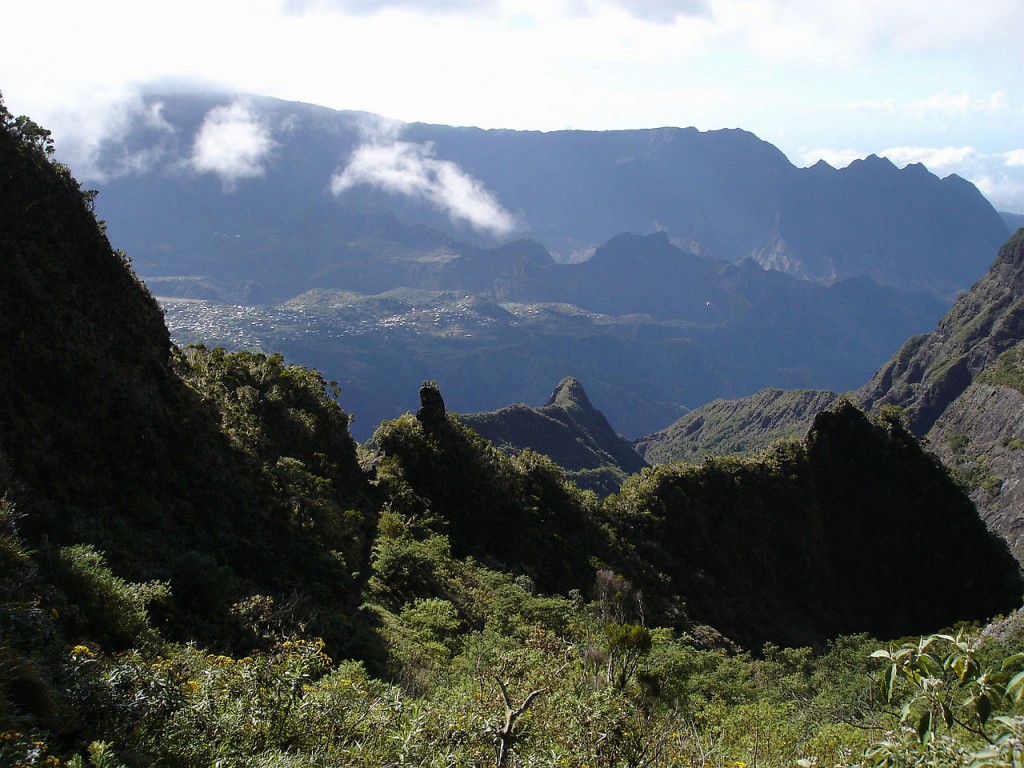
<point x="432" y="413"/>
<point x="980" y="436"/>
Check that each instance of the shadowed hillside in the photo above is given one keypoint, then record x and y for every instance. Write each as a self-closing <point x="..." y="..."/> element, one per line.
<point x="806" y="536"/>
<point x="227" y="476"/>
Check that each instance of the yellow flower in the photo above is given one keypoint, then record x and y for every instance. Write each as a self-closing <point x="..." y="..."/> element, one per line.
<point x="82" y="650"/>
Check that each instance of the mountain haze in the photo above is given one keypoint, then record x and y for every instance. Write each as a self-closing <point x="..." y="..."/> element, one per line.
<point x="655" y="331"/>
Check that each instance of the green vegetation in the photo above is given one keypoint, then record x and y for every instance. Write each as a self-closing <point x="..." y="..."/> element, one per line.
<point x="199" y="567"/>
<point x="970" y="469"/>
<point x="499" y="675"/>
<point x="1008" y="370"/>
<point x="743" y="426"/>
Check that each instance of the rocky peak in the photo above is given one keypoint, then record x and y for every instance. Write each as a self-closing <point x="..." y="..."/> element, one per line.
<point x="570" y="395"/>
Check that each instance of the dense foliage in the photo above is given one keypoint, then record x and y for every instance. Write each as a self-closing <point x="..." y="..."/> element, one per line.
<point x="198" y="566"/>
<point x="807" y="528"/>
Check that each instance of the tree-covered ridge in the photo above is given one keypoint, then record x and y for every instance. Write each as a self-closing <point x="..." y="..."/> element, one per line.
<point x="196" y="570"/>
<point x="226" y="476"/>
<point x="763" y="549"/>
<point x="516" y="512"/>
<point x="773" y="547"/>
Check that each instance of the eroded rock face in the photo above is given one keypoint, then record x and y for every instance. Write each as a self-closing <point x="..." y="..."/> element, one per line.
<point x="944" y="382"/>
<point x="981" y="436"/>
<point x="931" y="371"/>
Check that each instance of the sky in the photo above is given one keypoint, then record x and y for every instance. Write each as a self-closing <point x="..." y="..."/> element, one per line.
<point x="933" y="81"/>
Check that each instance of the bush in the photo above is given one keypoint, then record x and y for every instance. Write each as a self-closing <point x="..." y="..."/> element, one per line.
<point x="104" y="606"/>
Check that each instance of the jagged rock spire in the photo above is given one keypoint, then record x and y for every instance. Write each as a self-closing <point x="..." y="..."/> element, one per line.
<point x="432" y="411"/>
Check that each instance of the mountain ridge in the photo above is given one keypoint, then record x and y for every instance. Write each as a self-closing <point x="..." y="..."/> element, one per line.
<point x="931" y="370"/>
<point x="715" y="330"/>
<point x="958" y="386"/>
<point x="542" y="222"/>
<point x="725" y="194"/>
<point x="568" y="430"/>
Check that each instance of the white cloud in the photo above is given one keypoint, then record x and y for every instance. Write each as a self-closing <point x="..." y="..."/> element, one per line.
<point x="938" y="104"/>
<point x="413" y="170"/>
<point x="370" y="7"/>
<point x="656" y="11"/>
<point x="910" y="26"/>
<point x="961" y="104"/>
<point x="231" y="143"/>
<point x="849" y="73"/>
<point x="935" y="159"/>
<point x="1014" y="158"/>
<point x="1004" y="190"/>
<point x="92" y="140"/>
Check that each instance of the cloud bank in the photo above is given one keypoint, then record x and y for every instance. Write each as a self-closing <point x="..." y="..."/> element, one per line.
<point x="654" y="11"/>
<point x="370" y="7"/>
<point x="97" y="142"/>
<point x="231" y="143"/>
<point x="413" y="170"/>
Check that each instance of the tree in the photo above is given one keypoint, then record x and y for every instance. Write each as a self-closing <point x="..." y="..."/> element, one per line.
<point x="506" y="733"/>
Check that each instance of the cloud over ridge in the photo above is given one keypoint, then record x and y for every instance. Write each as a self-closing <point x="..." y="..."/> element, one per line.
<point x="413" y="170"/>
<point x="231" y="143"/>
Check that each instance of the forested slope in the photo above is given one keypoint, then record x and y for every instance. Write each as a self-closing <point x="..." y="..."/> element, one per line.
<point x="225" y="476"/>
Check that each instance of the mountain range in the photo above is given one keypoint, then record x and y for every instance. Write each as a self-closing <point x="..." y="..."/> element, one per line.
<point x="709" y="329"/>
<point x="302" y="197"/>
<point x="499" y="262"/>
<point x="312" y="245"/>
